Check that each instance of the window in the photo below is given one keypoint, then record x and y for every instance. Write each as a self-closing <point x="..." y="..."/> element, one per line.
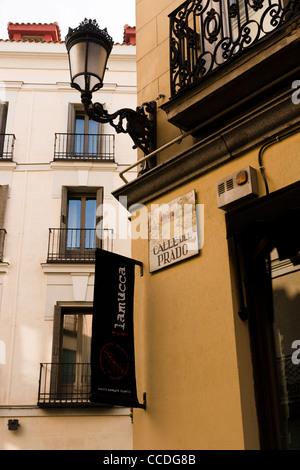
<point x="87" y="138"/>
<point x="70" y="366"/>
<point x="80" y="231"/>
<point x="84" y="133"/>
<point x="79" y="220"/>
<point x="84" y="139"/>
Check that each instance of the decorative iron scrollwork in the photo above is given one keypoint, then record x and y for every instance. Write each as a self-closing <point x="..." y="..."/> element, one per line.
<point x="139" y="123"/>
<point x="207" y="33"/>
<point x="87" y="27"/>
<point x="212" y="25"/>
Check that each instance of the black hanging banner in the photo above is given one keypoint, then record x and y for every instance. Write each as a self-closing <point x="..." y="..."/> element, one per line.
<point x="113" y="379"/>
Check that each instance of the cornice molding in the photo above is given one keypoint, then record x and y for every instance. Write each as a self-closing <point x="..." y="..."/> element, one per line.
<point x="253" y="129"/>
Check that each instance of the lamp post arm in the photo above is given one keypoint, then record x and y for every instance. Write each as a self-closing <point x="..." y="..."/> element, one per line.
<point x="140" y="126"/>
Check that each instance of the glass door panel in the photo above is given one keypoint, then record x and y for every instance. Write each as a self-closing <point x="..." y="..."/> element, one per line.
<point x="93" y="137"/>
<point x="286" y="305"/>
<point x="90" y="224"/>
<point x="76" y="346"/>
<point x="87" y="135"/>
<point x="79" y="137"/>
<point x="74" y="224"/>
<point x="81" y="233"/>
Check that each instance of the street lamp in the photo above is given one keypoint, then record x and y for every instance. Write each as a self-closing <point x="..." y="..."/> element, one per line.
<point x="88" y="48"/>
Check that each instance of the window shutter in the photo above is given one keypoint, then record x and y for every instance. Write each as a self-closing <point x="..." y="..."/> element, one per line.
<point x="99" y="215"/>
<point x="57" y="337"/>
<point x="63" y="221"/>
<point x="71" y="130"/>
<point x="56" y="351"/>
<point x="3" y="201"/>
<point x="64" y="207"/>
<point x="3" y="114"/>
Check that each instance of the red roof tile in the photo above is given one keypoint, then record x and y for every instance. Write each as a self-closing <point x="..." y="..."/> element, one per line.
<point x="34" y="31"/>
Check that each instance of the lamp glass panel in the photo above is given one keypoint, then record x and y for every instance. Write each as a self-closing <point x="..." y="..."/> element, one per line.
<point x="93" y="81"/>
<point x="77" y="58"/>
<point x="97" y="57"/>
<point x="80" y="81"/>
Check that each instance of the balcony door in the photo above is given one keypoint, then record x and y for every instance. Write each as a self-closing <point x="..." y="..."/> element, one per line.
<point x="84" y="134"/>
<point x="80" y="220"/>
<point x="87" y="135"/>
<point x="72" y="330"/>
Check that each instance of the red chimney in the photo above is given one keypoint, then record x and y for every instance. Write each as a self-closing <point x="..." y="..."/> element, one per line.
<point x="129" y="35"/>
<point x="34" y="31"/>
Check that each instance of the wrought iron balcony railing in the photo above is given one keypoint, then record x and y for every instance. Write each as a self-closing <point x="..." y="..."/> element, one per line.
<point x="2" y="238"/>
<point x="100" y="147"/>
<point x="7" y="142"/>
<point x="206" y="34"/>
<point x="64" y="385"/>
<point x="77" y="245"/>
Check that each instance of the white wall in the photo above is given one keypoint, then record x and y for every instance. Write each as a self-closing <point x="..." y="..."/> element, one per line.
<point x="35" y="82"/>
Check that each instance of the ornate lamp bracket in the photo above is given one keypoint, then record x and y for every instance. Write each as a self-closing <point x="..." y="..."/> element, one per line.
<point x="88" y="49"/>
<point x="140" y="124"/>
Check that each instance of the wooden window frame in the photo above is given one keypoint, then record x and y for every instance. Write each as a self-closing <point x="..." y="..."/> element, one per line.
<point x="69" y="191"/>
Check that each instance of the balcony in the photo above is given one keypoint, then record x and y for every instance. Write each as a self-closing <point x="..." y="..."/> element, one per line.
<point x="7" y="142"/>
<point x="77" y="245"/>
<point x="64" y="385"/>
<point x="207" y="34"/>
<point x="94" y="147"/>
<point x="228" y="55"/>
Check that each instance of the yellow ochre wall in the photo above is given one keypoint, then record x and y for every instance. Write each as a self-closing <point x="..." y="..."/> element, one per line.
<point x="192" y="349"/>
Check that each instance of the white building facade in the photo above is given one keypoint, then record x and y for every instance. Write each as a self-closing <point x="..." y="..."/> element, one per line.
<point x="57" y="172"/>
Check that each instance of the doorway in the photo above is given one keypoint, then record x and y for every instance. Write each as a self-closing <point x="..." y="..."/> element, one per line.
<point x="266" y="235"/>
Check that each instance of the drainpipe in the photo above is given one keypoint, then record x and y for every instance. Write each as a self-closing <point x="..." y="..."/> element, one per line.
<point x="266" y="146"/>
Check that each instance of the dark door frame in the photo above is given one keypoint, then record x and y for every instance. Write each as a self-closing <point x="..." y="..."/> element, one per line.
<point x="272" y="221"/>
